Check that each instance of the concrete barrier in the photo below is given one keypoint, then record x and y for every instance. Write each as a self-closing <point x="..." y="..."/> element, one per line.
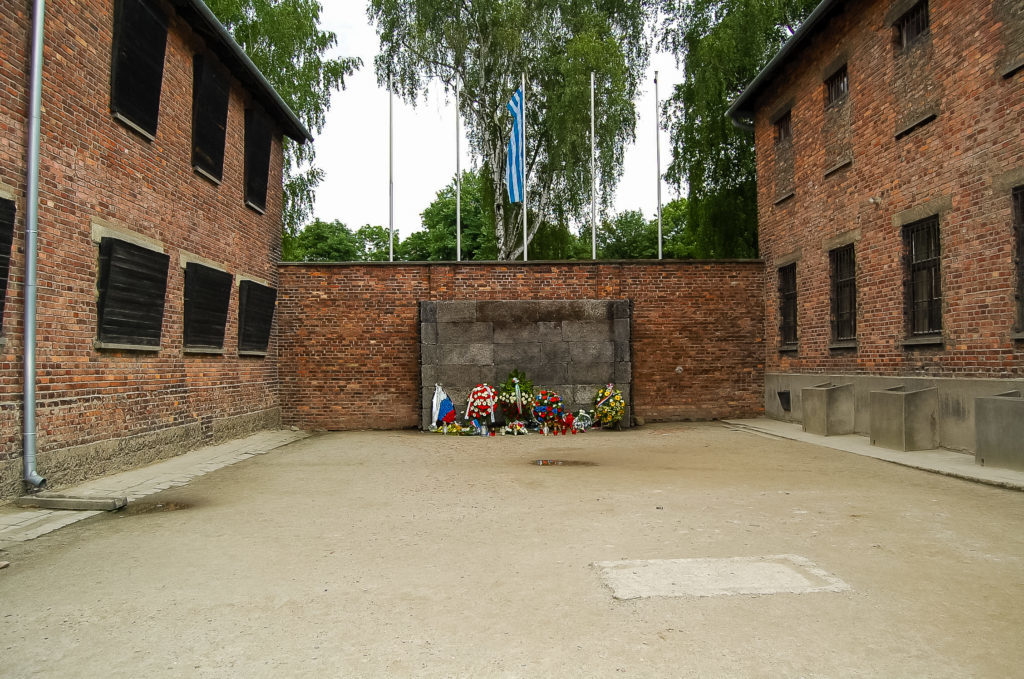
<point x="999" y="428"/>
<point x="903" y="418"/>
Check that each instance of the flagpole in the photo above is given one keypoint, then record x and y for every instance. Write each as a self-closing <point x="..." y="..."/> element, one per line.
<point x="657" y="145"/>
<point x="458" y="180"/>
<point x="391" y="174"/>
<point x="593" y="176"/>
<point x="525" y="174"/>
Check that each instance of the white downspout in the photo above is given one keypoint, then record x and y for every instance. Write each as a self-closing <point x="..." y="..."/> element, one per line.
<point x="31" y="245"/>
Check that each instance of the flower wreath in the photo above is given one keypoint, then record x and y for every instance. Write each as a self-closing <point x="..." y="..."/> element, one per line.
<point x="608" y="406"/>
<point x="481" y="402"/>
<point x="516" y="397"/>
<point x="548" y="409"/>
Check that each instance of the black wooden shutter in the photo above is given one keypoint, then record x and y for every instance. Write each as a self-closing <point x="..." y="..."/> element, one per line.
<point x="137" y="71"/>
<point x="6" y="239"/>
<point x="207" y="294"/>
<point x="211" y="87"/>
<point x="132" y="285"/>
<point x="257" y="157"/>
<point x="255" y="315"/>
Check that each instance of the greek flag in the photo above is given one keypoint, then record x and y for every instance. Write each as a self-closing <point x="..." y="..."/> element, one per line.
<point x="516" y="153"/>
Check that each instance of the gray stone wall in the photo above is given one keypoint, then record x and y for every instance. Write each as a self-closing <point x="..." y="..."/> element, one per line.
<point x="572" y="347"/>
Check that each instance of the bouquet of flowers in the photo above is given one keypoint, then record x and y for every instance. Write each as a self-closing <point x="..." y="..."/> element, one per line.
<point x="516" y="397"/>
<point x="514" y="428"/>
<point x="453" y="429"/>
<point x="548" y="408"/>
<point x="608" y="406"/>
<point x="481" y="403"/>
<point x="583" y="422"/>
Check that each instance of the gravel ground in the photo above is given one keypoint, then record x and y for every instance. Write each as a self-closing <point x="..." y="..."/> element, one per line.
<point x="389" y="554"/>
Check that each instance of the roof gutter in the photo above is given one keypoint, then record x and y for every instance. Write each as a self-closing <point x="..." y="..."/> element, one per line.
<point x="743" y="105"/>
<point x="204" y="20"/>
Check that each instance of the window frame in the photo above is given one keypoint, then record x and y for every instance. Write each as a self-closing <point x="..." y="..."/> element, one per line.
<point x="788" y="335"/>
<point x="109" y="292"/>
<point x="930" y="264"/>
<point x="835" y="95"/>
<point x="843" y="288"/>
<point x="783" y="126"/>
<point x="201" y="304"/>
<point x="128" y="62"/>
<point x="257" y="149"/>
<point x="246" y="345"/>
<point x="918" y="18"/>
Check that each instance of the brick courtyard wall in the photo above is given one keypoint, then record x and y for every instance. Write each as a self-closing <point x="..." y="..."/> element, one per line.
<point x="349" y="333"/>
<point x="961" y="165"/>
<point x="94" y="168"/>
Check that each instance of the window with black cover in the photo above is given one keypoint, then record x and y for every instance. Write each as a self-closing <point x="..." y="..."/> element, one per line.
<point x="255" y="316"/>
<point x="6" y="239"/>
<point x="1018" y="227"/>
<point x="924" y="280"/>
<point x="210" y="89"/>
<point x="837" y="87"/>
<point x="784" y="128"/>
<point x="207" y="294"/>
<point x="137" y="69"/>
<point x="787" y="305"/>
<point x="132" y="284"/>
<point x="257" y="157"/>
<point x="844" y="293"/>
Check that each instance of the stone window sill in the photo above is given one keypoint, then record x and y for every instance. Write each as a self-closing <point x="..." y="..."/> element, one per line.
<point x="253" y="354"/>
<point x="204" y="350"/>
<point x="255" y="208"/>
<point x="911" y="127"/>
<point x="1012" y="68"/>
<point x="784" y="197"/>
<point x="788" y="348"/>
<point x="926" y="341"/>
<point x="131" y="125"/>
<point x="206" y="175"/>
<point x="114" y="346"/>
<point x="840" y="345"/>
<point x="1017" y="336"/>
<point x="842" y="164"/>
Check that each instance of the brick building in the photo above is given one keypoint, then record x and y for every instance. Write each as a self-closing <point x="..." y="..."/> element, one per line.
<point x="159" y="222"/>
<point x="890" y="165"/>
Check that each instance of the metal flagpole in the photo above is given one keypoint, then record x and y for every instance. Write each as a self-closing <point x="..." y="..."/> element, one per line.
<point x="458" y="180"/>
<point x="525" y="174"/>
<point x="657" y="145"/>
<point x="593" y="176"/>
<point x="391" y="174"/>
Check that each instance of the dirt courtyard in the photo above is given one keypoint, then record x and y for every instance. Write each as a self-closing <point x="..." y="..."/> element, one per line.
<point x="392" y="554"/>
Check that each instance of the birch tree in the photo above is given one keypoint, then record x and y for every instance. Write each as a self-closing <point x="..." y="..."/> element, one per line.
<point x="485" y="46"/>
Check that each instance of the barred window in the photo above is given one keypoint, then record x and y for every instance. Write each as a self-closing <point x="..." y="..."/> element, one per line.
<point x="784" y="128"/>
<point x="1018" y="226"/>
<point x="137" y="68"/>
<point x="207" y="294"/>
<point x="211" y="87"/>
<point x="787" y="304"/>
<point x="844" y="293"/>
<point x="924" y="280"/>
<point x="912" y="26"/>
<point x="837" y="87"/>
<point x="6" y="239"/>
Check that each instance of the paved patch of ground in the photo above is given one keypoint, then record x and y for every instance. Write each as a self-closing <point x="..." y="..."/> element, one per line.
<point x="408" y="554"/>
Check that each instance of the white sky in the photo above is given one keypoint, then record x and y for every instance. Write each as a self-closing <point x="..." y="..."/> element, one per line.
<point x="352" y="149"/>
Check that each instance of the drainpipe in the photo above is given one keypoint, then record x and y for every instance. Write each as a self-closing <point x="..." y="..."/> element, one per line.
<point x="31" y="232"/>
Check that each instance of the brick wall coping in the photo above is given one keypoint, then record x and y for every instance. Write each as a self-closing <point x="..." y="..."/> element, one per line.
<point x="538" y="262"/>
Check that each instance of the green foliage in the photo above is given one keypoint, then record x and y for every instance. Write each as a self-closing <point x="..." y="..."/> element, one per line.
<point x="628" y="236"/>
<point x="724" y="43"/>
<point x="439" y="224"/>
<point x="284" y="40"/>
<point x="324" y="242"/>
<point x="372" y="243"/>
<point x="485" y="45"/>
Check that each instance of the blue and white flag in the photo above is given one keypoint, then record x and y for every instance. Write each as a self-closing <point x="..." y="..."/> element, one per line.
<point x="514" y="173"/>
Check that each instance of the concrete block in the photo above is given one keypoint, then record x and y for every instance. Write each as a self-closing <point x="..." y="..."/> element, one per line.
<point x="586" y="331"/>
<point x="999" y="428"/>
<point x="903" y="418"/>
<point x="428" y="312"/>
<point x="86" y="504"/>
<point x="428" y="333"/>
<point x="546" y="374"/>
<point x="591" y="373"/>
<point x="430" y="354"/>
<point x="531" y="354"/>
<point x="514" y="333"/>
<point x="515" y="312"/>
<point x="456" y="377"/>
<point x="591" y="352"/>
<point x="428" y="374"/>
<point x="621" y="330"/>
<point x="623" y="352"/>
<point x="465" y="354"/>
<point x="589" y="310"/>
<point x="464" y="332"/>
<point x="621" y="309"/>
<point x="828" y="409"/>
<point x="456" y="312"/>
<point x="623" y="372"/>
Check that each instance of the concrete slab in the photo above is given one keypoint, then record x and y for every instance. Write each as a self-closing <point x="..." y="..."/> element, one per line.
<point x="780" y="574"/>
<point x="74" y="502"/>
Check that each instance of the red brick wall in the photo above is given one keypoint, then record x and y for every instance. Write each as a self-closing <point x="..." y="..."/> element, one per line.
<point x="349" y="333"/>
<point x="93" y="166"/>
<point x="962" y="164"/>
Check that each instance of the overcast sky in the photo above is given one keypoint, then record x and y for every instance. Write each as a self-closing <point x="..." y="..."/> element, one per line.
<point x="352" y="149"/>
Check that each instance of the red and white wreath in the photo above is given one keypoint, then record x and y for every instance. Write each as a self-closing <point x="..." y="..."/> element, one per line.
<point x="481" y="402"/>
